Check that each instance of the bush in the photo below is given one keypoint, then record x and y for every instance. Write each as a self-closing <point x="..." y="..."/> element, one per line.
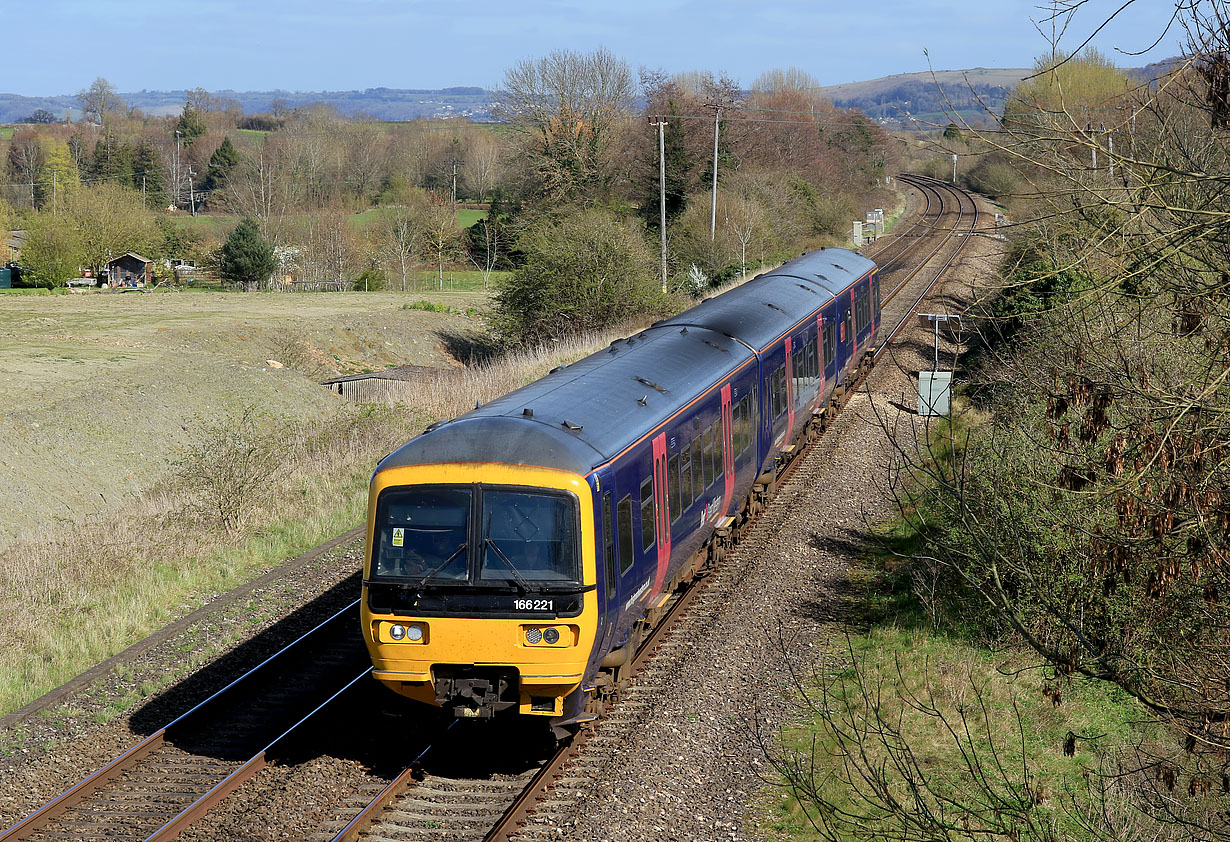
<point x="583" y="270"/>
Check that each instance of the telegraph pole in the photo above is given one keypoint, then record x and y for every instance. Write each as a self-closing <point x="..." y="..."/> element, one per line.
<point x="176" y="177"/>
<point x="717" y="113"/>
<point x="191" y="195"/>
<point x="661" y="124"/>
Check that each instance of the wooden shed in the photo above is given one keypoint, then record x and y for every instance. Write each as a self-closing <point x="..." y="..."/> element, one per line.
<point x="130" y="270"/>
<point x="390" y="386"/>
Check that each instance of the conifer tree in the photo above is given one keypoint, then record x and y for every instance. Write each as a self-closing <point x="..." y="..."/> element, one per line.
<point x="247" y="258"/>
<point x="221" y="163"/>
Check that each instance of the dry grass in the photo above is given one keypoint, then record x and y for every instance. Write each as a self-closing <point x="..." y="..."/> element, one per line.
<point x="76" y="595"/>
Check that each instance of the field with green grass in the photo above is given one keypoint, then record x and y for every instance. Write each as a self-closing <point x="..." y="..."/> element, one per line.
<point x="217" y="227"/>
<point x="6" y="132"/>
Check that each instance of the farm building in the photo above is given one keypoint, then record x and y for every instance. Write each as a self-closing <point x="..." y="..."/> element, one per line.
<point x="391" y="386"/>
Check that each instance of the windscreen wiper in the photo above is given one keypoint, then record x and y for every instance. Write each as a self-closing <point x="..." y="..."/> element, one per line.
<point x="526" y="587"/>
<point x="419" y="584"/>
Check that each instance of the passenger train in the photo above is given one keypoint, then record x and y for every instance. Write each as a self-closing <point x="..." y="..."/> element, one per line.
<point x="517" y="554"/>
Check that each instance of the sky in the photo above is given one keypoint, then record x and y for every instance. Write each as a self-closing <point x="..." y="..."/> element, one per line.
<point x="312" y="45"/>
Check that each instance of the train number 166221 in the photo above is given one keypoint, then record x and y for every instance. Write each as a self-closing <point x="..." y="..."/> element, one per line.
<point x="533" y="605"/>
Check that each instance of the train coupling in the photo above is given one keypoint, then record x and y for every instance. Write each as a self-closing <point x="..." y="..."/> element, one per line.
<point x="475" y="692"/>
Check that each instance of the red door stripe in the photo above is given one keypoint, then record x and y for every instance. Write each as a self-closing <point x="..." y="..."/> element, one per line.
<point x="789" y="391"/>
<point x="662" y="512"/>
<point x="728" y="449"/>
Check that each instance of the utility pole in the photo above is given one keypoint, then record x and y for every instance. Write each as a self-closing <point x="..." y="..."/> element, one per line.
<point x="1110" y="154"/>
<point x="191" y="195"/>
<point x="454" y="187"/>
<point x="54" y="198"/>
<point x="661" y="124"/>
<point x="954" y="168"/>
<point x="176" y="176"/>
<point x="717" y="113"/>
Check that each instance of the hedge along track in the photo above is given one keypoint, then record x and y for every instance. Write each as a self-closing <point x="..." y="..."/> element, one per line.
<point x="421" y="804"/>
<point x="157" y="788"/>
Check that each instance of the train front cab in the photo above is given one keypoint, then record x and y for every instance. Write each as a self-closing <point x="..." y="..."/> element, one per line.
<point x="479" y="586"/>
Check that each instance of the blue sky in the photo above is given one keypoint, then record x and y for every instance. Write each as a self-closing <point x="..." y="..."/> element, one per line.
<point x="60" y="46"/>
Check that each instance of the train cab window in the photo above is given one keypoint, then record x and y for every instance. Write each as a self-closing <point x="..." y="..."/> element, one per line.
<point x="685" y="477"/>
<point x="528" y="536"/>
<point x="647" y="514"/>
<point x="422" y="531"/>
<point x="830" y="345"/>
<point x="709" y="456"/>
<point x="719" y="450"/>
<point x="845" y="326"/>
<point x="608" y="543"/>
<point x="625" y="534"/>
<point x="673" y="471"/>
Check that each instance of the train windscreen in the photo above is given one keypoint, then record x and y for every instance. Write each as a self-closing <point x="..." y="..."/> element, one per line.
<point x="525" y="540"/>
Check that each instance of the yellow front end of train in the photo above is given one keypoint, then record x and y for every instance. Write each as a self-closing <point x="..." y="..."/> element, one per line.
<point x="479" y="586"/>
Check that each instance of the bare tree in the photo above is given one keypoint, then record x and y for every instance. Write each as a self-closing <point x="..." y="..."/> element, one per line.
<point x="99" y="101"/>
<point x="490" y="254"/>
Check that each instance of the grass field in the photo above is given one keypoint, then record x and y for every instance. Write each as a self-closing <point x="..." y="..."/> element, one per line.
<point x="6" y="132"/>
<point x="218" y="226"/>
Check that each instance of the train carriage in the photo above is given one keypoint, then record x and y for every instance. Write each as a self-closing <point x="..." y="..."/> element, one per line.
<point x="516" y="554"/>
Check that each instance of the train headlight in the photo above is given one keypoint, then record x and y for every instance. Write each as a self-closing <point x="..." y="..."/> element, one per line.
<point x="414" y="633"/>
<point x="533" y="635"/>
<point x="398" y="631"/>
<point x="551" y="636"/>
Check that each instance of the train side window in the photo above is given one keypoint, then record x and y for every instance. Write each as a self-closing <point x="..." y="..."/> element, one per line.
<point x="845" y="325"/>
<point x="648" y="519"/>
<point x="673" y="471"/>
<point x="698" y="473"/>
<point x="625" y="533"/>
<point x="685" y="477"/>
<point x="875" y="291"/>
<point x="830" y="345"/>
<point x="747" y="423"/>
<point x="736" y="427"/>
<point x="719" y="451"/>
<point x="608" y="542"/>
<point x="707" y="457"/>
<point x="862" y="312"/>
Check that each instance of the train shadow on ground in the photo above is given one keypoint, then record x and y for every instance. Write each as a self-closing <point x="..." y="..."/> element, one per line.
<point x="842" y="598"/>
<point x="204" y="682"/>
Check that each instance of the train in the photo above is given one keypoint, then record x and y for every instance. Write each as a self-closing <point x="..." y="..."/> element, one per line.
<point x="518" y="554"/>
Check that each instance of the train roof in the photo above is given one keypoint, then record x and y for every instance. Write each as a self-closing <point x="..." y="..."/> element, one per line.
<point x="583" y="415"/>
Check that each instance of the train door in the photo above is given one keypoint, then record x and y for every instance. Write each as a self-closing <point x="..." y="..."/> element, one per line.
<point x="728" y="449"/>
<point x="610" y="565"/>
<point x="662" y="516"/>
<point x="789" y="372"/>
<point x="845" y="338"/>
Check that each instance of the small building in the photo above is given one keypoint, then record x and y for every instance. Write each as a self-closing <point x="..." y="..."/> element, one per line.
<point x="13" y="243"/>
<point x="130" y="270"/>
<point x="392" y="385"/>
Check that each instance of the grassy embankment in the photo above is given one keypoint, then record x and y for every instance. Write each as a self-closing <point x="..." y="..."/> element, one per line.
<point x="134" y="408"/>
<point x="942" y="712"/>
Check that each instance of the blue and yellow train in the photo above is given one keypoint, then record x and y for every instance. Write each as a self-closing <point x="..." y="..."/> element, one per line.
<point x="517" y="554"/>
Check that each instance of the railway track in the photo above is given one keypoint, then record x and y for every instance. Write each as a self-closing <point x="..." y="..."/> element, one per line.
<point x="161" y="785"/>
<point x="424" y="803"/>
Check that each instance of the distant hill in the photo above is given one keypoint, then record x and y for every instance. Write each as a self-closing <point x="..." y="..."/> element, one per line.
<point x="926" y="97"/>
<point x="377" y="103"/>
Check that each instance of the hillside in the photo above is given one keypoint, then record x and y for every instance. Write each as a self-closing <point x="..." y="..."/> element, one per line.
<point x="927" y="96"/>
<point x="377" y="103"/>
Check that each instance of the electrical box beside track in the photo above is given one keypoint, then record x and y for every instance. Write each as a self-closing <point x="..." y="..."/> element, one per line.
<point x="934" y="392"/>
